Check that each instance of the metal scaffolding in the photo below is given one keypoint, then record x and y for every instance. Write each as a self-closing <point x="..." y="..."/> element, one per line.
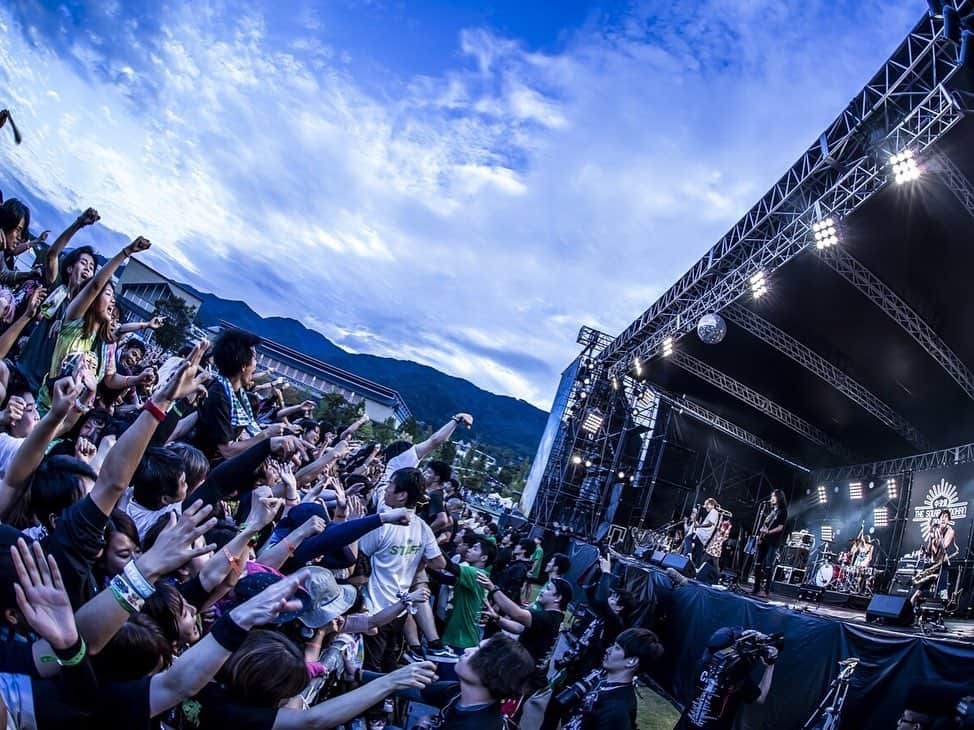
<point x="846" y="266"/>
<point x="918" y="462"/>
<point x="757" y="401"/>
<point x="955" y="180"/>
<point x="905" y="105"/>
<point x="818" y="365"/>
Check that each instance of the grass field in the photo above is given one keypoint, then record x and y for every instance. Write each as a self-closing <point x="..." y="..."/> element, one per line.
<point x="655" y="713"/>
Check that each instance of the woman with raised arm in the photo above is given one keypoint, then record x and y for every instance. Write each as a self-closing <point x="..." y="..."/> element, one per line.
<point x="82" y="342"/>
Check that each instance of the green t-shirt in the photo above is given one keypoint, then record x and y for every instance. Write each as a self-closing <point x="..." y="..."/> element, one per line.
<point x="72" y="340"/>
<point x="537" y="558"/>
<point x="463" y="626"/>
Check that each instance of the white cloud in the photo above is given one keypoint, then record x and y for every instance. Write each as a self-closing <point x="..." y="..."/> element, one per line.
<point x="471" y="219"/>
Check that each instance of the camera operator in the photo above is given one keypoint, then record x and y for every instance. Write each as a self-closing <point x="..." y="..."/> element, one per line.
<point x="606" y="698"/>
<point x="725" y="678"/>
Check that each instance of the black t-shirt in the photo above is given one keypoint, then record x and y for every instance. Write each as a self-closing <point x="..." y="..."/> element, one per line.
<point x="446" y="696"/>
<point x="778" y="517"/>
<point x="213" y="428"/>
<point x="434" y="507"/>
<point x="605" y="708"/>
<point x="539" y="637"/>
<point x="124" y="704"/>
<point x="77" y="541"/>
<point x="512" y="579"/>
<point x="214" y="709"/>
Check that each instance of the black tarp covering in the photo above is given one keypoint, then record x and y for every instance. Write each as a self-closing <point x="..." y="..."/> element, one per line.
<point x="890" y="663"/>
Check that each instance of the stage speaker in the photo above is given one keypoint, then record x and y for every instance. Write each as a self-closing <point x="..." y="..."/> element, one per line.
<point x="680" y="563"/>
<point x="708" y="574"/>
<point x="891" y="610"/>
<point x="657" y="557"/>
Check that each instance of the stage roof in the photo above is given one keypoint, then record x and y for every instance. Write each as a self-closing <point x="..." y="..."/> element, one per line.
<point x="918" y="239"/>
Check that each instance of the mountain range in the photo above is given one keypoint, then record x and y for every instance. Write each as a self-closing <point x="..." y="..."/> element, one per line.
<point x="432" y="396"/>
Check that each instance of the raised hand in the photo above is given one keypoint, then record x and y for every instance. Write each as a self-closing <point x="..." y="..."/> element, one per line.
<point x="84" y="449"/>
<point x="175" y="545"/>
<point x="34" y="302"/>
<point x="139" y="245"/>
<point x="465" y="418"/>
<point x="186" y="378"/>
<point x="266" y="606"/>
<point x="312" y="526"/>
<point x="41" y="596"/>
<point x="64" y="396"/>
<point x="485" y="581"/>
<point x="284" y="445"/>
<point x="412" y="676"/>
<point x="89" y="217"/>
<point x="263" y="508"/>
<point x="397" y="516"/>
<point x="14" y="410"/>
<point x="156" y="322"/>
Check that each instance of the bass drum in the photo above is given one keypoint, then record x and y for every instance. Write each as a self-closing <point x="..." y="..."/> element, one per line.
<point x="825" y="574"/>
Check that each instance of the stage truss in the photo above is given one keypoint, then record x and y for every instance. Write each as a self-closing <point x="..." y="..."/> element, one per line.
<point x="909" y="104"/>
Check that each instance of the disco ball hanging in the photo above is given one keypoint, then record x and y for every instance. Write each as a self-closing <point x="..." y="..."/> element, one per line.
<point x="711" y="329"/>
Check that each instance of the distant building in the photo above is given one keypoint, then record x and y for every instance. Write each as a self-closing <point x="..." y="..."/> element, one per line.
<point x="381" y="403"/>
<point x="140" y="287"/>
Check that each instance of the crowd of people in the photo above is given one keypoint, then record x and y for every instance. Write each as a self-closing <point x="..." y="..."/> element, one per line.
<point x="180" y="548"/>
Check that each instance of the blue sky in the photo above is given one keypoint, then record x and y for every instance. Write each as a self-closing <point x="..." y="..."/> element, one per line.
<point x="462" y="184"/>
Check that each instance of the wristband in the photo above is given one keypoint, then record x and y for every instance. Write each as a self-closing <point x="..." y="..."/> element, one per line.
<point x="492" y="591"/>
<point x="125" y="595"/>
<point x="228" y="634"/>
<point x="457" y="419"/>
<point x="73" y="655"/>
<point x="138" y="581"/>
<point x="290" y="548"/>
<point x="153" y="410"/>
<point x="232" y="559"/>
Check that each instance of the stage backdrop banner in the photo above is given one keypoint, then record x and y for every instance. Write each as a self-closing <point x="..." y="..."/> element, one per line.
<point x="948" y="487"/>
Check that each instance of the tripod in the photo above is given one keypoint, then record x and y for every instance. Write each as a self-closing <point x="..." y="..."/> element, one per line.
<point x="826" y="715"/>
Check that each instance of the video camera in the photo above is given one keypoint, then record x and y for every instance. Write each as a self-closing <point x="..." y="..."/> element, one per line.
<point x="753" y="645"/>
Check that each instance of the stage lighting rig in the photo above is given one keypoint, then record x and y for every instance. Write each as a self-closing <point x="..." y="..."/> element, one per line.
<point x="759" y="284"/>
<point x="880" y="517"/>
<point x="904" y="167"/>
<point x="823" y="494"/>
<point x="828" y="535"/>
<point x="576" y="459"/>
<point x="855" y="490"/>
<point x="891" y="489"/>
<point x="825" y="235"/>
<point x="593" y="421"/>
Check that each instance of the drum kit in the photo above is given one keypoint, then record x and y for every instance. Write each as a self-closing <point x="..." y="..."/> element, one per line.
<point x="838" y="572"/>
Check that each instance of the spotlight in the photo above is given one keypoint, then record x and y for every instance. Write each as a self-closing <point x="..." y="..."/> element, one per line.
<point x="592" y="422"/>
<point x="667" y="347"/>
<point x="576" y="459"/>
<point x="855" y="490"/>
<point x="823" y="495"/>
<point x="615" y="383"/>
<point x="636" y="364"/>
<point x="891" y="490"/>
<point x="759" y="284"/>
<point x="588" y="463"/>
<point x="904" y="167"/>
<point x="880" y="517"/>
<point x="825" y="235"/>
<point x="622" y="475"/>
<point x="827" y="534"/>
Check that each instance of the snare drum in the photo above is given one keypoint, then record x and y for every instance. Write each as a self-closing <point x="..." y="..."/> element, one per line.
<point x="825" y="574"/>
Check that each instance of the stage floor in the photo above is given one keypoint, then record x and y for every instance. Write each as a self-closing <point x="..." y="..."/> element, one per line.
<point x="786" y="596"/>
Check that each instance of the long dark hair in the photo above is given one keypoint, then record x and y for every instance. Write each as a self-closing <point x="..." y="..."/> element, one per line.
<point x="782" y="501"/>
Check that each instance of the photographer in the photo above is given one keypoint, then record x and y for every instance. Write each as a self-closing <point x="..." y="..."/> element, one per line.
<point x="725" y="677"/>
<point x="606" y="700"/>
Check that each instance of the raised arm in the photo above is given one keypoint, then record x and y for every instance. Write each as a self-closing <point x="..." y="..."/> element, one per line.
<point x="310" y="472"/>
<point x="203" y="660"/>
<point x="51" y="270"/>
<point x="86" y="297"/>
<point x="120" y="464"/>
<point x="505" y="604"/>
<point x="10" y="335"/>
<point x="348" y="432"/>
<point x="425" y="448"/>
<point x="31" y="452"/>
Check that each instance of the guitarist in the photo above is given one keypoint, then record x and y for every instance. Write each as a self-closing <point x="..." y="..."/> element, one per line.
<point x="936" y="551"/>
<point x="769" y="538"/>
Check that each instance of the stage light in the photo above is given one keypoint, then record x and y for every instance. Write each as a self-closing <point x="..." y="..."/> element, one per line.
<point x="827" y="534"/>
<point x="759" y="284"/>
<point x="622" y="475"/>
<point x="904" y="167"/>
<point x="576" y="459"/>
<point x="667" y="347"/>
<point x="588" y="463"/>
<point x="615" y="383"/>
<point x="891" y="490"/>
<point x="636" y="364"/>
<point x="855" y="490"/>
<point x="823" y="495"/>
<point x="880" y="517"/>
<point x="592" y="422"/>
<point x="825" y="235"/>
